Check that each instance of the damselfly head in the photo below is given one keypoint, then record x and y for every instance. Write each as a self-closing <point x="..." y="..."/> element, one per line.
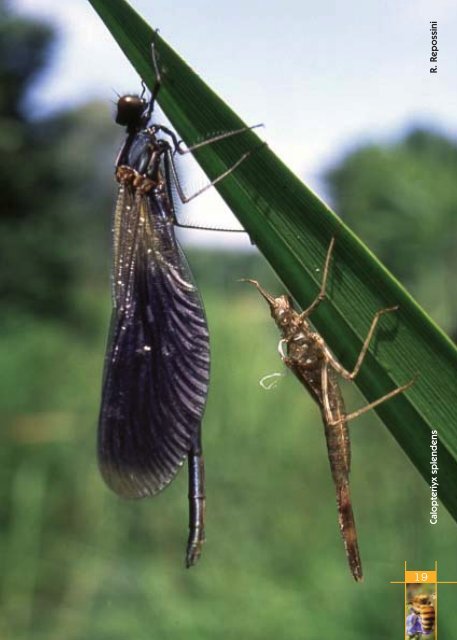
<point x="131" y="111"/>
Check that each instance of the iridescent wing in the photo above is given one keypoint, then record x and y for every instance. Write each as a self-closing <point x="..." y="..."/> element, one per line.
<point x="157" y="362"/>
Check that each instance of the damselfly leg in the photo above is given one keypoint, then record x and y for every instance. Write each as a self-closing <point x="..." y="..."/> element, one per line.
<point x="185" y="199"/>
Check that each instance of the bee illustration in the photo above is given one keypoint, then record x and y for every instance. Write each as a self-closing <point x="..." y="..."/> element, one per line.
<point x="422" y="605"/>
<point x="413" y="625"/>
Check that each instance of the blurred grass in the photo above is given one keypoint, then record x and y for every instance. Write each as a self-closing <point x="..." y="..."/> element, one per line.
<point x="78" y="563"/>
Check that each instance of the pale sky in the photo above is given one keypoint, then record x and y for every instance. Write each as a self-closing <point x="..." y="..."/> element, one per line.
<point x="323" y="77"/>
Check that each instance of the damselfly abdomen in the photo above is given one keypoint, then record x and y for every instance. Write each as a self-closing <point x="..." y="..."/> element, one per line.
<point x="157" y="364"/>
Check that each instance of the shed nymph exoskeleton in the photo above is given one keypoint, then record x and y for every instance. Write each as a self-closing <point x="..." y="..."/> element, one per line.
<point x="305" y="352"/>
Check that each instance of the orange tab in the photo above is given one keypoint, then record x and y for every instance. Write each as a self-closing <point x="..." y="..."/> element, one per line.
<point x="420" y="576"/>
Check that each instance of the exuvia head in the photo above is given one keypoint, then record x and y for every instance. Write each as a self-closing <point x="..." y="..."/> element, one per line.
<point x="132" y="112"/>
<point x="280" y="307"/>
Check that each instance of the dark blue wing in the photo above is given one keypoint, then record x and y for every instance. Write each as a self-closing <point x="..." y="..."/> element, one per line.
<point x="157" y="363"/>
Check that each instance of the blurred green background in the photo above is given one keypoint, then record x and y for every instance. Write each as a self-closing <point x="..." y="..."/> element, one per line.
<point x="77" y="562"/>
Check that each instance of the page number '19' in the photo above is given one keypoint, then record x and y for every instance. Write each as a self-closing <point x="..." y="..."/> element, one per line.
<point x="422" y="577"/>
